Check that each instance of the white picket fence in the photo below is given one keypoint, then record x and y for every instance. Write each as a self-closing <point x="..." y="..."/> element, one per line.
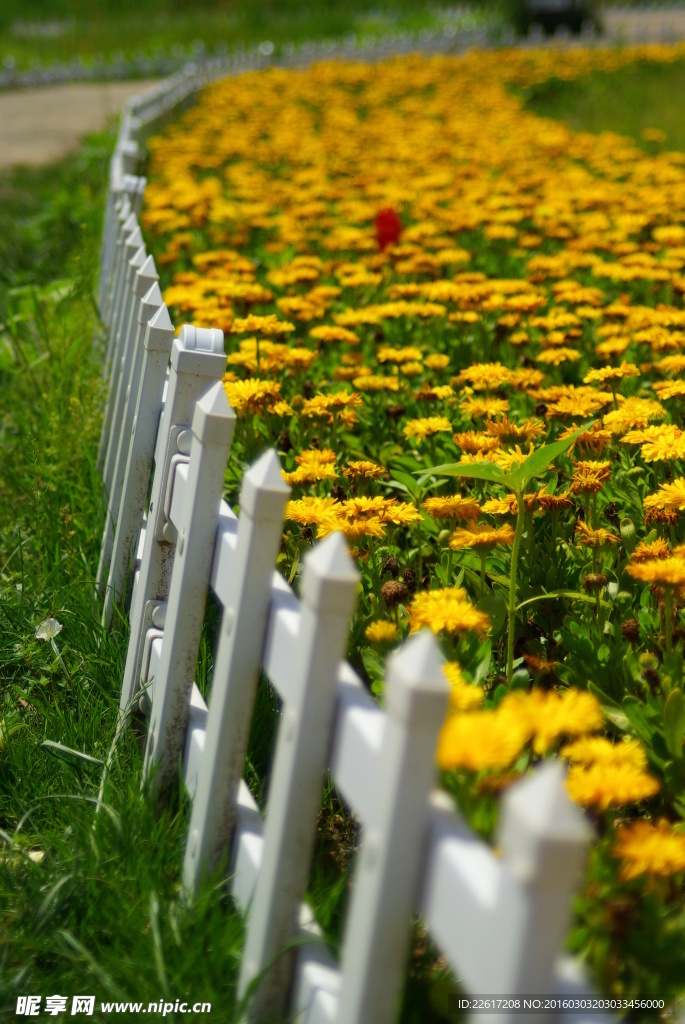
<point x="499" y="918"/>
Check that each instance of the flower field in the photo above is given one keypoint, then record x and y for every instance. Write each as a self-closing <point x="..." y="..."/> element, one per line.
<point x="463" y="328"/>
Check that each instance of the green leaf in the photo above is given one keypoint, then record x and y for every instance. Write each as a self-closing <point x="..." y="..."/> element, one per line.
<point x="635" y="711"/>
<point x="407" y="482"/>
<point x="61" y="751"/>
<point x="470" y="470"/>
<point x="538" y="462"/>
<point x="674" y="723"/>
<point x="628" y="535"/>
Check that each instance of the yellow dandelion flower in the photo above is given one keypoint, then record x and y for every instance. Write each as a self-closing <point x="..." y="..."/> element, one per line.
<point x="464" y="696"/>
<point x="611" y="373"/>
<point x="670" y="497"/>
<point x="268" y="325"/>
<point x="363" y="469"/>
<point x="594" y="538"/>
<point x="481" y="739"/>
<point x="605" y="786"/>
<point x="448" y="609"/>
<point x="665" y="572"/>
<point x="599" y="750"/>
<point x="509" y="432"/>
<point x="426" y="426"/>
<point x="550" y="715"/>
<point x="381" y="632"/>
<point x="646" y="847"/>
<point x="481" y="537"/>
<point x="452" y="506"/>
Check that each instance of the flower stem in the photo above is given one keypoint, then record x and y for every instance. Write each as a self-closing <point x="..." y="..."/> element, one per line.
<point x="668" y="617"/>
<point x="483" y="555"/>
<point x="520" y="519"/>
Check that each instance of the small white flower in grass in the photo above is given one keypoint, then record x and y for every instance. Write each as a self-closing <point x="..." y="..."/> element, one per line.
<point x="48" y="629"/>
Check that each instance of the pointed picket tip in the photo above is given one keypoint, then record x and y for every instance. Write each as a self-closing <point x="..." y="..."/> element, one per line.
<point x="330" y="577"/>
<point x="153" y="295"/>
<point x="149" y="303"/>
<point x="135" y="238"/>
<point x="161" y="320"/>
<point x="145" y="277"/>
<point x="138" y="257"/>
<point x="159" y="336"/>
<point x="417" y="689"/>
<point x="539" y="808"/>
<point x="131" y="221"/>
<point x="213" y="419"/>
<point x="149" y="270"/>
<point x="264" y="492"/>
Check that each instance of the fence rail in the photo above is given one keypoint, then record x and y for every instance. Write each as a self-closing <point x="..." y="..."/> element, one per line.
<point x="500" y="919"/>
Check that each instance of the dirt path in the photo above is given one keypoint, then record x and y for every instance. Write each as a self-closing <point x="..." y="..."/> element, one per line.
<point x="41" y="125"/>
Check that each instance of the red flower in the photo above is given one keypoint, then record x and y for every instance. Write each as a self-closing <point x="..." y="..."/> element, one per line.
<point x="388" y="227"/>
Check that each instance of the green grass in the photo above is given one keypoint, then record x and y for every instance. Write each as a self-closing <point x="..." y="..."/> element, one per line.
<point x="71" y="27"/>
<point x="100" y="912"/>
<point x="642" y="95"/>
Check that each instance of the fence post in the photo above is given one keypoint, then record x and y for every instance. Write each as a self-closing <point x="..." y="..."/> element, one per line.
<point x="149" y="302"/>
<point x="263" y="495"/>
<point x="543" y="837"/>
<point x="212" y="430"/>
<point x="329" y="591"/>
<point x="197" y="359"/>
<point x="159" y="336"/>
<point x="387" y="874"/>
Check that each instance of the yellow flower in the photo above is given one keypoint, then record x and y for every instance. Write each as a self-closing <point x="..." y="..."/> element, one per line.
<point x="481" y="739"/>
<point x="666" y="572"/>
<point x="324" y="513"/>
<point x="599" y="750"/>
<point x="589" y="476"/>
<point x="452" y="506"/>
<point x="262" y="324"/>
<point x="449" y="610"/>
<point x="609" y="373"/>
<point x="376" y="382"/>
<point x="484" y="405"/>
<point x="605" y="786"/>
<point x="654" y="549"/>
<point x="381" y="632"/>
<point x="595" y="538"/>
<point x="647" y="847"/>
<point x="508" y="432"/>
<point x="481" y="538"/>
<point x="364" y="469"/>
<point x="327" y="333"/>
<point x="425" y="427"/>
<point x="251" y="395"/>
<point x="669" y="497"/>
<point x="555" y="356"/>
<point x="464" y="696"/>
<point x="670" y="389"/>
<point x="550" y="714"/>
<point x="473" y="441"/>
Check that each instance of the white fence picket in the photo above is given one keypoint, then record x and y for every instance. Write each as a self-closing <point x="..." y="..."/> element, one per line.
<point x="212" y="430"/>
<point x="245" y="569"/>
<point x="159" y="336"/>
<point x="197" y="360"/>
